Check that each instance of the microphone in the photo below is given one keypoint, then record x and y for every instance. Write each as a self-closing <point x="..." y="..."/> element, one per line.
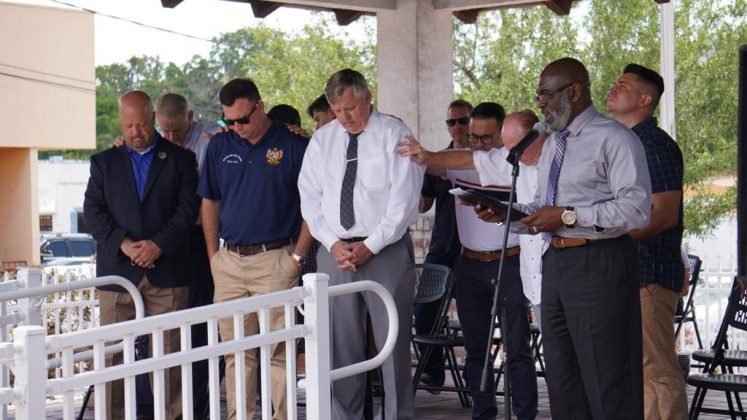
<point x="515" y="153"/>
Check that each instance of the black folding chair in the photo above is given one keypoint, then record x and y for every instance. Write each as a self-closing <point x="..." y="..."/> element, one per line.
<point x="688" y="310"/>
<point x="436" y="282"/>
<point x="718" y="374"/>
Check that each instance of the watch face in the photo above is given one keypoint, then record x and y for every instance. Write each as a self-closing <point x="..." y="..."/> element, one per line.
<point x="568" y="217"/>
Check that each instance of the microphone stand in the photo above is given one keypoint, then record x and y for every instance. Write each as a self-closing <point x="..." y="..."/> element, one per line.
<point x="486" y="370"/>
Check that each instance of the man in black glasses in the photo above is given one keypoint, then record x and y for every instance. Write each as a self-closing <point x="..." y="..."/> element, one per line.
<point x="477" y="266"/>
<point x="444" y="246"/>
<point x="251" y="201"/>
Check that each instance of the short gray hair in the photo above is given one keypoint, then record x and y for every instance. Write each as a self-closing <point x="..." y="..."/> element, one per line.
<point x="172" y="105"/>
<point x="342" y="80"/>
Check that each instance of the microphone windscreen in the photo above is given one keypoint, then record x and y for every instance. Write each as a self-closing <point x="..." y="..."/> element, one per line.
<point x="542" y="127"/>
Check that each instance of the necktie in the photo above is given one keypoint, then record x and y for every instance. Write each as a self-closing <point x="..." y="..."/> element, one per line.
<point x="347" y="213"/>
<point x="552" y="183"/>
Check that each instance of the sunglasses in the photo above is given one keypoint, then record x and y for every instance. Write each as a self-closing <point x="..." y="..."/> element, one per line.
<point x="243" y="120"/>
<point x="454" y="121"/>
<point x="485" y="139"/>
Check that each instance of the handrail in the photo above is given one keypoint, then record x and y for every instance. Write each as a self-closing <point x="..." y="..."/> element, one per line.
<point x="176" y="319"/>
<point x="391" y="338"/>
<point x="80" y="284"/>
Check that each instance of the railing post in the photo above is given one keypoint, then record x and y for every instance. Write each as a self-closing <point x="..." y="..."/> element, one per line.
<point x="30" y="308"/>
<point x="31" y="375"/>
<point x="316" y="307"/>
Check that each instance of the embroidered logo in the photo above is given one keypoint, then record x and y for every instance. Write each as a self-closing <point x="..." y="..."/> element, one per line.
<point x="274" y="156"/>
<point x="232" y="158"/>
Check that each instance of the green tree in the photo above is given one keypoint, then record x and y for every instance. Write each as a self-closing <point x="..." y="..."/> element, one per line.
<point x="500" y="58"/>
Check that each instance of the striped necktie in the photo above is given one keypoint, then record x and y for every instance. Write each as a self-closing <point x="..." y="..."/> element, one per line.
<point x="552" y="184"/>
<point x="347" y="213"/>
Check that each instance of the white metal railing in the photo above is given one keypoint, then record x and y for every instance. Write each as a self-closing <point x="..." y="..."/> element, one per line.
<point x="31" y="346"/>
<point x="57" y="302"/>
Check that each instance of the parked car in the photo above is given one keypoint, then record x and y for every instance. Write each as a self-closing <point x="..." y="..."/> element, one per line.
<point x="67" y="249"/>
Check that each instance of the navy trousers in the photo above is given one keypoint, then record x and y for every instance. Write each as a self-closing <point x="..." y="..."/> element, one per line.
<point x="474" y="299"/>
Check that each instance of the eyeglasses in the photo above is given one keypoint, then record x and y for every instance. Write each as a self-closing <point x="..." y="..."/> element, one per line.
<point x="544" y="97"/>
<point x="454" y="121"/>
<point x="243" y="120"/>
<point x="484" y="139"/>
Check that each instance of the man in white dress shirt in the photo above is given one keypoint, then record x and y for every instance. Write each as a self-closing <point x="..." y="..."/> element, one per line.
<point x="488" y="167"/>
<point x="359" y="197"/>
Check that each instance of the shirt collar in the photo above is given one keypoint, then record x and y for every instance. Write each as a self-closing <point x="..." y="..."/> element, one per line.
<point x="645" y="124"/>
<point x="582" y="120"/>
<point x="144" y="152"/>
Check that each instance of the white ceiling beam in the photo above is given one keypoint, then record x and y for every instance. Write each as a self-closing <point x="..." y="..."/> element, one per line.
<point x="360" y="5"/>
<point x="457" y="5"/>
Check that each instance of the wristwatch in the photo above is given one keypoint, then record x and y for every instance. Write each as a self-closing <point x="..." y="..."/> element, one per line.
<point x="299" y="259"/>
<point x="569" y="217"/>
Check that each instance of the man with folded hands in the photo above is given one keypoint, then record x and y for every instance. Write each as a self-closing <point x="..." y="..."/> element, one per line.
<point x="250" y="200"/>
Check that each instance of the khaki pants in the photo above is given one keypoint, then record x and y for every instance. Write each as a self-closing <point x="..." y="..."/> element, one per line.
<point x="664" y="394"/>
<point x="237" y="277"/>
<point x="118" y="307"/>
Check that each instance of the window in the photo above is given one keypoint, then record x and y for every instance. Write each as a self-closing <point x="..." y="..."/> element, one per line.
<point x="81" y="223"/>
<point x="45" y="222"/>
<point x="57" y="248"/>
<point x="82" y="248"/>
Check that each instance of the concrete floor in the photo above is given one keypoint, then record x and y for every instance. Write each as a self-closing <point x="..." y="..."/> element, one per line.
<point x="445" y="406"/>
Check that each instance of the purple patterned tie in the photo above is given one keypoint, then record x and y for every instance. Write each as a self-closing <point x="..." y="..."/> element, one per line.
<point x="552" y="184"/>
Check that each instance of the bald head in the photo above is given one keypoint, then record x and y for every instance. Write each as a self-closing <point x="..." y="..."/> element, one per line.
<point x="137" y="119"/>
<point x="515" y="127"/>
<point x="563" y="92"/>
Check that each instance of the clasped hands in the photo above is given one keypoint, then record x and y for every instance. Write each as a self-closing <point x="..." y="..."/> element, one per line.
<point x="142" y="253"/>
<point x="351" y="255"/>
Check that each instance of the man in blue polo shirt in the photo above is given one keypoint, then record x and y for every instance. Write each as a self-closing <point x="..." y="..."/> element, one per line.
<point x="250" y="198"/>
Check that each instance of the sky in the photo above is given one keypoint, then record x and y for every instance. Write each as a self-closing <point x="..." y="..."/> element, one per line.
<point x="118" y="40"/>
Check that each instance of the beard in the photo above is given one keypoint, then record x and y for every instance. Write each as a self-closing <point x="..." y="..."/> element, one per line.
<point x="562" y="115"/>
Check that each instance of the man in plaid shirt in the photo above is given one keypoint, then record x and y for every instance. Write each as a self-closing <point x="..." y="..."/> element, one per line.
<point x="632" y="101"/>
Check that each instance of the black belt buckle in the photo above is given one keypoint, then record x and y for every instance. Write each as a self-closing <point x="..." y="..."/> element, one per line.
<point x="354" y="239"/>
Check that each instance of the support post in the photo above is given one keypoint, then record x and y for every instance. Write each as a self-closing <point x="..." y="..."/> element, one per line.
<point x="318" y="364"/>
<point x="30" y="371"/>
<point x="30" y="308"/>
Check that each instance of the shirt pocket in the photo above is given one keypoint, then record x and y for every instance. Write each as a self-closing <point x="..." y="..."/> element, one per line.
<point x="373" y="172"/>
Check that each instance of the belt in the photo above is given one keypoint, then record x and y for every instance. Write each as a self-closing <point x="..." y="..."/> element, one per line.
<point x="245" y="250"/>
<point x="489" y="256"/>
<point x="558" y="242"/>
<point x="354" y="239"/>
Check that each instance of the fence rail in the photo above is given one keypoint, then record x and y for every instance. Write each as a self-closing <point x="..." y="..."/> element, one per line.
<point x="31" y="346"/>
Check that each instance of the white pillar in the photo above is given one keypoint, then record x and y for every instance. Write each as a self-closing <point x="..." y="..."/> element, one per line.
<point x="415" y="70"/>
<point x="666" y="105"/>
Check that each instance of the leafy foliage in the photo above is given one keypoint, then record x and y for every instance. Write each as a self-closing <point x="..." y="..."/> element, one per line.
<point x="500" y="58"/>
<point x="290" y="69"/>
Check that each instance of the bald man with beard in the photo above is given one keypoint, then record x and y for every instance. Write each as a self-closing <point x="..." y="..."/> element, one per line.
<point x="593" y="188"/>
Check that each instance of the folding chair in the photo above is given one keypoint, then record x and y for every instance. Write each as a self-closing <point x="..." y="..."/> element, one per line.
<point x="688" y="310"/>
<point x="433" y="283"/>
<point x="727" y="381"/>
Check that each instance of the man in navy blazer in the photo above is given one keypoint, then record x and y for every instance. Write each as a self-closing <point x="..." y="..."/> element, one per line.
<point x="139" y="205"/>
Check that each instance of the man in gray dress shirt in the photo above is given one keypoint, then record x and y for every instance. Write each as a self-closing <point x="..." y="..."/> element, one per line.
<point x="593" y="188"/>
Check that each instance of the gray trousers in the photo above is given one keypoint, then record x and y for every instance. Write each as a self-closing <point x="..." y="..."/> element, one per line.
<point x="393" y="268"/>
